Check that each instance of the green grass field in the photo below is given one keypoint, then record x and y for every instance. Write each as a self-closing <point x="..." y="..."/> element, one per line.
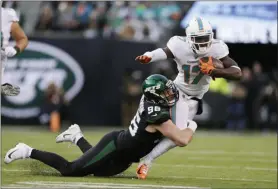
<point x="212" y="160"/>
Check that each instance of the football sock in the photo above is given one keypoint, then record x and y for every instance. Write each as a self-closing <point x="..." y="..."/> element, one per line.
<point x="83" y="144"/>
<point x="162" y="147"/>
<point x="50" y="159"/>
<point x="77" y="138"/>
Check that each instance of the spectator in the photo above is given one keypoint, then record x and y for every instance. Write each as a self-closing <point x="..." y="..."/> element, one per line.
<point x="137" y="21"/>
<point x="132" y="95"/>
<point x="82" y="11"/>
<point x="259" y="79"/>
<point x="53" y="109"/>
<point x="237" y="108"/>
<point x="265" y="111"/>
<point x="220" y="85"/>
<point x="45" y="21"/>
<point x="169" y="14"/>
<point x="65" y="16"/>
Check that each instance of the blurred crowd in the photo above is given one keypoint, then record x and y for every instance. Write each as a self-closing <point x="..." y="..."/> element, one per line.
<point x="133" y="20"/>
<point x="253" y="100"/>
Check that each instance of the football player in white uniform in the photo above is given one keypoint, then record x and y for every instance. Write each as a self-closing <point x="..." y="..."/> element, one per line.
<point x="193" y="78"/>
<point x="10" y="27"/>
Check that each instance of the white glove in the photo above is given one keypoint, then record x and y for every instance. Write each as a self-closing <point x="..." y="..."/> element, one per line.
<point x="9" y="90"/>
<point x="10" y="51"/>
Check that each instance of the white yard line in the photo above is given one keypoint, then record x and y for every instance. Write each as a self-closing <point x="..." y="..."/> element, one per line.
<point x="26" y="187"/>
<point x="99" y="185"/>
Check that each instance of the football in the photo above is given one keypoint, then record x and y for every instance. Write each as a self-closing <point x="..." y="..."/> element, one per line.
<point x="217" y="63"/>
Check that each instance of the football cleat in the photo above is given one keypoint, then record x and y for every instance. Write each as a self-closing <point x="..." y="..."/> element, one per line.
<point x="142" y="171"/>
<point x="72" y="134"/>
<point x="20" y="151"/>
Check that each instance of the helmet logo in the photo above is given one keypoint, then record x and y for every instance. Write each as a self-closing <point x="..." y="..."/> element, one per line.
<point x="152" y="89"/>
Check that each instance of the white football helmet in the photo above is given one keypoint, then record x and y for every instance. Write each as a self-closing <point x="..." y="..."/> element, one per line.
<point x="199" y="34"/>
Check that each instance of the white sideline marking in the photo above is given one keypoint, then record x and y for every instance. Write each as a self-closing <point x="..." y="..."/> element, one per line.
<point x="215" y="167"/>
<point x="27" y="187"/>
<point x="232" y="159"/>
<point x="99" y="185"/>
<point x="175" y="177"/>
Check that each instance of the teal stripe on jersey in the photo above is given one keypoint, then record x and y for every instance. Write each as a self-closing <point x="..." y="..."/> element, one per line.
<point x="174" y="113"/>
<point x="200" y="23"/>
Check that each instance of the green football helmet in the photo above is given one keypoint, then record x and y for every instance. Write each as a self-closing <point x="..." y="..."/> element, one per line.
<point x="158" y="89"/>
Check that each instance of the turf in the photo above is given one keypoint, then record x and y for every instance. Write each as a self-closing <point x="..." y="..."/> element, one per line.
<point x="212" y="160"/>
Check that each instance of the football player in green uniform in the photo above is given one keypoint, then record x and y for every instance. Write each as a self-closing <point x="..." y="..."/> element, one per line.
<point x="117" y="150"/>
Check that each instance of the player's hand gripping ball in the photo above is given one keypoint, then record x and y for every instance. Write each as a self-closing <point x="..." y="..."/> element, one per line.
<point x="208" y="64"/>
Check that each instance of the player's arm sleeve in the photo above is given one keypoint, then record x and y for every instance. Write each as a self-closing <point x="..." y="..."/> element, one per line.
<point x="12" y="15"/>
<point x="157" y="117"/>
<point x="222" y="50"/>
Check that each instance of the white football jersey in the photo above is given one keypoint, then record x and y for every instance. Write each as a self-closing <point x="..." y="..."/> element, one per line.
<point x="8" y="16"/>
<point x="189" y="79"/>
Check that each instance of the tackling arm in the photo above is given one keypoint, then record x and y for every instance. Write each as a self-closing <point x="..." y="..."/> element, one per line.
<point x="231" y="70"/>
<point x="19" y="36"/>
<point x="173" y="137"/>
<point x="179" y="137"/>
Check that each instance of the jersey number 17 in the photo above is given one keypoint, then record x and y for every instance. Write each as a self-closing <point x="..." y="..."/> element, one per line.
<point x="188" y="69"/>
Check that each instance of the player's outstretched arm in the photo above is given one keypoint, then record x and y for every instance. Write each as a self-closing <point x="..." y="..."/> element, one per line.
<point x="179" y="137"/>
<point x="231" y="69"/>
<point x="156" y="55"/>
<point x="19" y="36"/>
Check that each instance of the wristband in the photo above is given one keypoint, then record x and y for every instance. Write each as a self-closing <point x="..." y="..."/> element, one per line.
<point x="192" y="125"/>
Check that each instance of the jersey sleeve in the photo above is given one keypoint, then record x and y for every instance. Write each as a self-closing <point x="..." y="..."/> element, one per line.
<point x="12" y="15"/>
<point x="220" y="50"/>
<point x="156" y="114"/>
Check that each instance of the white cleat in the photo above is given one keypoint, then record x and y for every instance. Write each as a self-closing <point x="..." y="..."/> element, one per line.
<point x="20" y="151"/>
<point x="72" y="134"/>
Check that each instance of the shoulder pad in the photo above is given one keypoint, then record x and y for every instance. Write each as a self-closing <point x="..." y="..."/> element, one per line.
<point x="11" y="15"/>
<point x="219" y="49"/>
<point x="175" y="43"/>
